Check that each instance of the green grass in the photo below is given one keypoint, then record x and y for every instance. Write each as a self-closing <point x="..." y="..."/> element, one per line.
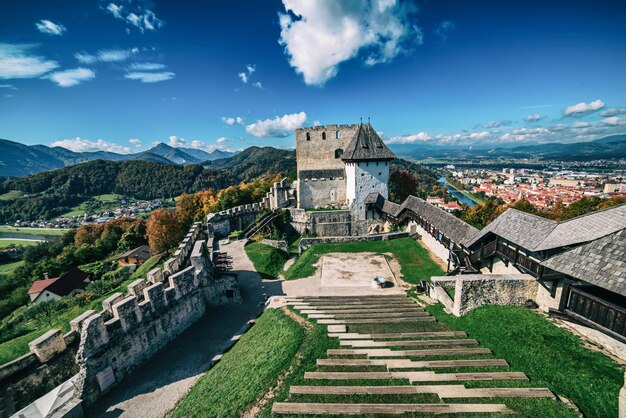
<point x="267" y="260"/>
<point x="549" y="355"/>
<point x="12" y="349"/>
<point x="12" y="195"/>
<point x="247" y="371"/>
<point x="105" y="202"/>
<point x="4" y="229"/>
<point x="414" y="260"/>
<point x="8" y="268"/>
<point x="11" y="242"/>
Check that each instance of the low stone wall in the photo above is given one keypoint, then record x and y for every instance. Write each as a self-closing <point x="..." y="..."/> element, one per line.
<point x="308" y="242"/>
<point x="280" y="244"/>
<point x="474" y="290"/>
<point x="322" y="223"/>
<point x="429" y="241"/>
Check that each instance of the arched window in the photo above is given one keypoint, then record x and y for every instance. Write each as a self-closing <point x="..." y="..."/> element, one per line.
<point x="308" y="136"/>
<point x="323" y="135"/>
<point x="338" y="153"/>
<point x="338" y="134"/>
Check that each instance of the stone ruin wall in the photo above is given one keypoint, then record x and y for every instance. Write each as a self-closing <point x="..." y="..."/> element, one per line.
<point x="240" y="217"/>
<point x="153" y="313"/>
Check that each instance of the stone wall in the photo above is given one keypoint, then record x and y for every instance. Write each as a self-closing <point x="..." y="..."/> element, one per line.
<point x="308" y="242"/>
<point x="474" y="290"/>
<point x="128" y="331"/>
<point x="544" y="298"/>
<point x="322" y="192"/>
<point x="322" y="223"/>
<point x="280" y="244"/>
<point x="499" y="267"/>
<point x="429" y="241"/>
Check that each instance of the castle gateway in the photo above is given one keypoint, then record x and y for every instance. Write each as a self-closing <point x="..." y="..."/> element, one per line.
<point x="341" y="167"/>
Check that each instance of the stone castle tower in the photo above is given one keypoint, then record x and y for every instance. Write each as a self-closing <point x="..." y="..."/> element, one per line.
<point x="340" y="165"/>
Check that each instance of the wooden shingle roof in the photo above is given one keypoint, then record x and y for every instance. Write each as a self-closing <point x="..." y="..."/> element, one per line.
<point x="601" y="262"/>
<point x="366" y="145"/>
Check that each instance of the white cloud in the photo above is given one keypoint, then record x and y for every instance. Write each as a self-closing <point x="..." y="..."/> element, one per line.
<point x="146" y="66"/>
<point x="175" y="141"/>
<point x="141" y="18"/>
<point x="280" y="126"/>
<point x="16" y="61"/>
<point x="250" y="68"/>
<point x="136" y="142"/>
<point x="221" y="140"/>
<point x="497" y="124"/>
<point x="479" y="135"/>
<point x="583" y="108"/>
<point x="8" y="86"/>
<point x="219" y="144"/>
<point x="579" y="124"/>
<point x="258" y="85"/>
<point x="615" y="111"/>
<point x="614" y="121"/>
<point x="444" y="30"/>
<point x="535" y="117"/>
<point x="105" y="55"/>
<point x="69" y="78"/>
<point x="409" y="139"/>
<point x="51" y="28"/>
<point x="317" y="123"/>
<point x="84" y="145"/>
<point x="328" y="32"/>
<point x="146" y="77"/>
<point x="243" y="77"/>
<point x="232" y="121"/>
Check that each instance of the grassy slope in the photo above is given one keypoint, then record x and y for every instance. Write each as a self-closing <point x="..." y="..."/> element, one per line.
<point x="9" y="267"/>
<point x="11" y="195"/>
<point x="12" y="349"/>
<point x="267" y="260"/>
<point x="549" y="355"/>
<point x="10" y="242"/>
<point x="33" y="231"/>
<point x="414" y="259"/>
<point x="247" y="371"/>
<point x="107" y="202"/>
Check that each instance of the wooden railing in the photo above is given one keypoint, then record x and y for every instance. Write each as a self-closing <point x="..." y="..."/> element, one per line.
<point x="587" y="307"/>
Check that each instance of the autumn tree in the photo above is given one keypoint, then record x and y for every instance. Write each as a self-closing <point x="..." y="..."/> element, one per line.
<point x="163" y="230"/>
<point x="402" y="184"/>
<point x="483" y="214"/>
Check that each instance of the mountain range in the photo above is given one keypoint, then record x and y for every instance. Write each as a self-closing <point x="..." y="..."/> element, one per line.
<point x="17" y="160"/>
<point x="604" y="148"/>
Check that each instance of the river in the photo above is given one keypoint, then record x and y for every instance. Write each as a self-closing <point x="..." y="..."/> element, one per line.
<point x="454" y="192"/>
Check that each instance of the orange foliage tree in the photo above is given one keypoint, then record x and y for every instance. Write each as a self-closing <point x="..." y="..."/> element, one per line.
<point x="163" y="230"/>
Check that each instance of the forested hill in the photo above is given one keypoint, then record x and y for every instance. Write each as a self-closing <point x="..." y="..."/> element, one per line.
<point x="255" y="161"/>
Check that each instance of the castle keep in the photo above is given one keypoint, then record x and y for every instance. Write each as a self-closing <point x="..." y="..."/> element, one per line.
<point x="341" y="166"/>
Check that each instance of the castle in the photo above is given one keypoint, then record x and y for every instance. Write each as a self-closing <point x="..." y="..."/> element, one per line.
<point x="341" y="167"/>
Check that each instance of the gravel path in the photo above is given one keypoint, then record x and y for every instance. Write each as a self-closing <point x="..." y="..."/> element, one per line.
<point x="155" y="388"/>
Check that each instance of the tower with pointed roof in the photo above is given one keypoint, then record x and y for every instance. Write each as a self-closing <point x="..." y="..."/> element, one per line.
<point x="339" y="166"/>
<point x="366" y="160"/>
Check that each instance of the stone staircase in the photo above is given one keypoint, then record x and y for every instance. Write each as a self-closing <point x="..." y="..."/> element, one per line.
<point x="394" y="358"/>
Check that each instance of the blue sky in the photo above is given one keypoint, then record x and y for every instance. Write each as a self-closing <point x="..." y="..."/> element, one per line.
<point x="121" y="75"/>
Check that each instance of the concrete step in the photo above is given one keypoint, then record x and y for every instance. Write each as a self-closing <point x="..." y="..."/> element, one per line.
<point x="384" y="409"/>
<point x="427" y="376"/>
<point x="306" y="306"/>
<point x="385" y="352"/>
<point x="410" y="364"/>
<point x="414" y="343"/>
<point x="352" y="303"/>
<point x="425" y="334"/>
<point x="349" y="311"/>
<point x="368" y="315"/>
<point x="443" y="391"/>
<point x="375" y="320"/>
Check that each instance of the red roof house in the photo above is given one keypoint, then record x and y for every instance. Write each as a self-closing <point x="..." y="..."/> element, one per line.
<point x="72" y="282"/>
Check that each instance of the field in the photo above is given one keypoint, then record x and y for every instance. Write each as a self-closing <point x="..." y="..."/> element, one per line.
<point x="11" y="195"/>
<point x="10" y="242"/>
<point x="9" y="267"/>
<point x="249" y="369"/>
<point x="16" y="347"/>
<point x="267" y="260"/>
<point x="99" y="203"/>
<point x="415" y="261"/>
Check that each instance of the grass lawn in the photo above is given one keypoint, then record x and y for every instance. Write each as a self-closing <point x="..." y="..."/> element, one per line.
<point x="12" y="195"/>
<point x="415" y="261"/>
<point x="12" y="349"/>
<point x="52" y="232"/>
<point x="9" y="267"/>
<point x="550" y="356"/>
<point x="10" y="242"/>
<point x="267" y="260"/>
<point x="247" y="371"/>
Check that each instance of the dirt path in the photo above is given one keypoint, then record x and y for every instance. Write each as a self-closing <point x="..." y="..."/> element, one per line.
<point x="155" y="388"/>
